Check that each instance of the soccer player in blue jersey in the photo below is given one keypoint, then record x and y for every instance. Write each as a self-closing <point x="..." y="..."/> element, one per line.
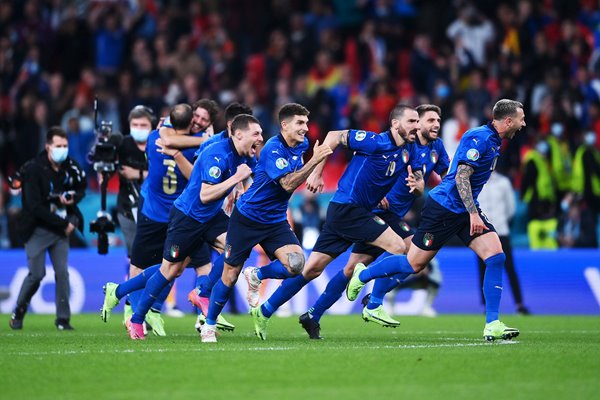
<point x="451" y="208"/>
<point x="260" y="213"/>
<point x="164" y="183"/>
<point x="429" y="156"/>
<point x="197" y="216"/>
<point x="374" y="169"/>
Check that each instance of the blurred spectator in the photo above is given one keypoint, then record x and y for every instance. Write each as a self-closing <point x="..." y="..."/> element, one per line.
<point x="538" y="190"/>
<point x="455" y="126"/>
<point x="586" y="173"/>
<point x="471" y="33"/>
<point x="578" y="224"/>
<point x="560" y="159"/>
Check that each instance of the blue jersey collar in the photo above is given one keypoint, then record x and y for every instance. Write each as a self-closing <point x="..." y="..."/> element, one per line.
<point x="230" y="140"/>
<point x="491" y="127"/>
<point x="282" y="139"/>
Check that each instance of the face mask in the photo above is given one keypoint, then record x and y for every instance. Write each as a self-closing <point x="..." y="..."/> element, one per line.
<point x="139" y="135"/>
<point x="590" y="138"/>
<point x="542" y="147"/>
<point x="59" y="154"/>
<point x="564" y="205"/>
<point x="442" y="91"/>
<point x="557" y="130"/>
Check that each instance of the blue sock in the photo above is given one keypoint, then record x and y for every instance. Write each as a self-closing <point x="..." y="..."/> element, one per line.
<point x="213" y="276"/>
<point x="286" y="291"/>
<point x="200" y="281"/>
<point x="158" y="304"/>
<point x="492" y="285"/>
<point x="153" y="289"/>
<point x="275" y="270"/>
<point x="381" y="287"/>
<point x="136" y="283"/>
<point x="332" y="293"/>
<point x="134" y="298"/>
<point x="218" y="298"/>
<point x="386" y="267"/>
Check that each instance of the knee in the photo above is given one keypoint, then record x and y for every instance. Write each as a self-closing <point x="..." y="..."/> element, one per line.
<point x="230" y="275"/>
<point x="295" y="263"/>
<point x="398" y="247"/>
<point x="311" y="274"/>
<point x="496" y="259"/>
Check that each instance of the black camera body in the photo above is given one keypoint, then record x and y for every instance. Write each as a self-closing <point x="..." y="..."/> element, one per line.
<point x="102" y="226"/>
<point x="104" y="153"/>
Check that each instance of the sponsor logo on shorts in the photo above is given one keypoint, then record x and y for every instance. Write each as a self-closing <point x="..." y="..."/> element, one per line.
<point x="214" y="172"/>
<point x="434" y="156"/>
<point x="227" y="250"/>
<point x="174" y="251"/>
<point x="405" y="156"/>
<point x="360" y="136"/>
<point x="281" y="163"/>
<point x="473" y="154"/>
<point x="379" y="220"/>
<point x="428" y="239"/>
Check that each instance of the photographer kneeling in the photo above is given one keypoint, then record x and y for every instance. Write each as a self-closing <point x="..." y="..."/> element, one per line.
<point x="53" y="184"/>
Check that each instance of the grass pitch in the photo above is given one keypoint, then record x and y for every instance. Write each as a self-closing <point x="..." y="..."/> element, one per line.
<point x="439" y="358"/>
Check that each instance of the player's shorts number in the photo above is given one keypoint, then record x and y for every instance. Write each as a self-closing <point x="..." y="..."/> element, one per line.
<point x="170" y="178"/>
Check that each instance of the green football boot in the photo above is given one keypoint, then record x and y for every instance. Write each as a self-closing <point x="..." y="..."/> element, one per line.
<point x="155" y="320"/>
<point x="260" y="323"/>
<point x="498" y="330"/>
<point x="355" y="285"/>
<point x="379" y="316"/>
<point x="110" y="300"/>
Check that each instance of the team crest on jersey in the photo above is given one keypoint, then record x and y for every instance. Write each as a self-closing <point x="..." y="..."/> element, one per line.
<point x="227" y="250"/>
<point x="428" y="239"/>
<point x="281" y="163"/>
<point x="174" y="251"/>
<point x="473" y="154"/>
<point x="404" y="226"/>
<point x="214" y="172"/>
<point x="378" y="220"/>
<point x="434" y="156"/>
<point x="405" y="156"/>
<point x="360" y="136"/>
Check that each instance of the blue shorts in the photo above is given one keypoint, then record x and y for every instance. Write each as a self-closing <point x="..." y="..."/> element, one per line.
<point x="148" y="243"/>
<point x="187" y="235"/>
<point x="345" y="225"/>
<point x="438" y="225"/>
<point x="243" y="234"/>
<point x="395" y="222"/>
<point x="201" y="256"/>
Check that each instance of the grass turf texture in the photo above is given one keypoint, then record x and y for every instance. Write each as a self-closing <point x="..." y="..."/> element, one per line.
<point x="444" y="357"/>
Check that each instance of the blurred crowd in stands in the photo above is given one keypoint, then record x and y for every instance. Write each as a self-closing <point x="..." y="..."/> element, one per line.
<point x="348" y="61"/>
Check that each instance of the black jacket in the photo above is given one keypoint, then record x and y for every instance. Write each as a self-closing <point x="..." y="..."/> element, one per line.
<point x="41" y="187"/>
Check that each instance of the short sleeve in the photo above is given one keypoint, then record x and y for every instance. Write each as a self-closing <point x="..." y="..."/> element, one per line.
<point x="212" y="168"/>
<point x="276" y="162"/>
<point x="366" y="142"/>
<point x="470" y="150"/>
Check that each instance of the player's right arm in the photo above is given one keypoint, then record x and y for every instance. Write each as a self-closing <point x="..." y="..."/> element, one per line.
<point x="314" y="182"/>
<point x="291" y="181"/>
<point x="210" y="191"/>
<point x="463" y="185"/>
<point x="175" y="141"/>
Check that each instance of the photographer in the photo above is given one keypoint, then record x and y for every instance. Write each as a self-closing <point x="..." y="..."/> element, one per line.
<point x="53" y="184"/>
<point x="133" y="170"/>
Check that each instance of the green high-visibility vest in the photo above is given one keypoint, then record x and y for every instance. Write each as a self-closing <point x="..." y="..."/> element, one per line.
<point x="560" y="161"/>
<point x="544" y="185"/>
<point x="578" y="182"/>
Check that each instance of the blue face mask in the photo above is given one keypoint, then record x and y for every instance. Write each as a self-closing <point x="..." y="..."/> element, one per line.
<point x="139" y="135"/>
<point x="59" y="154"/>
<point x="443" y="91"/>
<point x="590" y="138"/>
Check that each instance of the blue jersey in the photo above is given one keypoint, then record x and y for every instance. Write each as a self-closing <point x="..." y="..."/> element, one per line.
<point x="430" y="157"/>
<point x="374" y="168"/>
<point x="164" y="183"/>
<point x="266" y="201"/>
<point x="478" y="148"/>
<point x="215" y="164"/>
<point x="223" y="135"/>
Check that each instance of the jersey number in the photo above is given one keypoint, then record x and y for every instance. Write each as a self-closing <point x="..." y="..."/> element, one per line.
<point x="170" y="178"/>
<point x="391" y="169"/>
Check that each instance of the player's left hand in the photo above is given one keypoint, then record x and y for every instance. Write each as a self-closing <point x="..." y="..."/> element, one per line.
<point x="315" y="183"/>
<point x="384" y="204"/>
<point x="411" y="181"/>
<point x="477" y="225"/>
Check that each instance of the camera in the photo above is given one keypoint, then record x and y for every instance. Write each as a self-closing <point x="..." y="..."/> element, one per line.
<point x="103" y="155"/>
<point x="102" y="225"/>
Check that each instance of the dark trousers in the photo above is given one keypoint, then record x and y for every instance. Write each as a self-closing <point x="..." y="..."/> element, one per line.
<point x="509" y="266"/>
<point x="57" y="246"/>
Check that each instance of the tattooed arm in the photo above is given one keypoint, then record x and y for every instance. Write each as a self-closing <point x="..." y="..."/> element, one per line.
<point x="291" y="181"/>
<point x="463" y="185"/>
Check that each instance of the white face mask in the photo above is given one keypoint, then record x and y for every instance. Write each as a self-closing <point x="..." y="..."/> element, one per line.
<point x="139" y="135"/>
<point x="59" y="154"/>
<point x="542" y="147"/>
<point x="557" y="130"/>
<point x="590" y="138"/>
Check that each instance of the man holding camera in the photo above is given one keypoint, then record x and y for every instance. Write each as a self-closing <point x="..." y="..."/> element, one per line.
<point x="53" y="184"/>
